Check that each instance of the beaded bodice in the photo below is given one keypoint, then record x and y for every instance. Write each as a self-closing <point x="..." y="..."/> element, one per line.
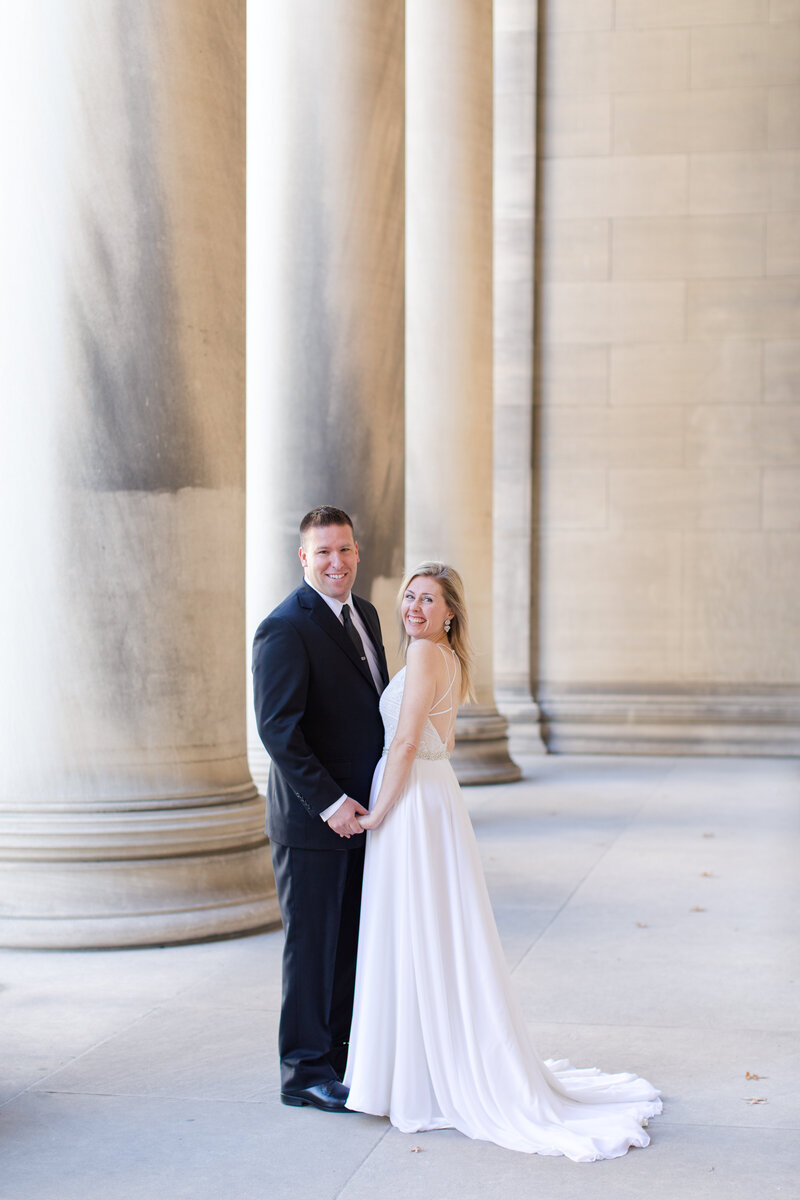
<point x="431" y="745"/>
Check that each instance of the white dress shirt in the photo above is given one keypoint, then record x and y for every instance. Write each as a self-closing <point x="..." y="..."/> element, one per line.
<point x="336" y="607"/>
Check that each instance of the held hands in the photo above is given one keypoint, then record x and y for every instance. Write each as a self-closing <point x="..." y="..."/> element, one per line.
<point x="344" y="820"/>
<point x="370" y="821"/>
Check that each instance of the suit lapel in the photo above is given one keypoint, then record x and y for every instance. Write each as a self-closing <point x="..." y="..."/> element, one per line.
<point x="322" y="616"/>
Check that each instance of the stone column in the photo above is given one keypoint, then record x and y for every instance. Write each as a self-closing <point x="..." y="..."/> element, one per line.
<point x="515" y="38"/>
<point x="127" y="812"/>
<point x="449" y="332"/>
<point x="325" y="291"/>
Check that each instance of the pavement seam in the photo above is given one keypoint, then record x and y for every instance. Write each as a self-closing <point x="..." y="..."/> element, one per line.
<point x="36" y="1084"/>
<point x="363" y="1163"/>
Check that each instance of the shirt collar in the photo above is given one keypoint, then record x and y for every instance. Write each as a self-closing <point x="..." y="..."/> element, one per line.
<point x="334" y="605"/>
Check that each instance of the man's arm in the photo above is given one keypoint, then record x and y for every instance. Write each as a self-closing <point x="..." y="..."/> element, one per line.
<point x="280" y="692"/>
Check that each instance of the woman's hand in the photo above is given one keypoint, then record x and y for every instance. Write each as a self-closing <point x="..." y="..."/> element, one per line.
<point x="369" y="820"/>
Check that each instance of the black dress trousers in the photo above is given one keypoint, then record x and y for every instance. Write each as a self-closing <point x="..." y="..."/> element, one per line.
<point x="319" y="892"/>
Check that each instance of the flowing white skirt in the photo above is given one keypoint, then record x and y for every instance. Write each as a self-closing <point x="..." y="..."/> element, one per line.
<point x="438" y="1038"/>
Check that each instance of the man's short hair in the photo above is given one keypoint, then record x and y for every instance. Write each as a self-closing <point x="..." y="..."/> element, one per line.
<point x="322" y="515"/>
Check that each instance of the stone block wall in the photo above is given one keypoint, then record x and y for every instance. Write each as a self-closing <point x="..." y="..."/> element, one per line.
<point x="667" y="419"/>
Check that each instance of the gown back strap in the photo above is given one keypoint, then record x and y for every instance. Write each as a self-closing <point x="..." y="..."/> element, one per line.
<point x="436" y="711"/>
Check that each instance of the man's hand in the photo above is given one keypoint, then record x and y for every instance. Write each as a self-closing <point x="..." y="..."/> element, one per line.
<point x="344" y="820"/>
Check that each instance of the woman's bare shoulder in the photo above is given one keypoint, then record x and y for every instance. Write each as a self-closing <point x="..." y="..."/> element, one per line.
<point x="423" y="658"/>
<point x="422" y="651"/>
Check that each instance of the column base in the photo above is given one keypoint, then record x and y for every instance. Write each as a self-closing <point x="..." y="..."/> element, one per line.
<point x="480" y="754"/>
<point x="723" y="722"/>
<point x="136" y="872"/>
<point x="524" y="720"/>
<point x="106" y="905"/>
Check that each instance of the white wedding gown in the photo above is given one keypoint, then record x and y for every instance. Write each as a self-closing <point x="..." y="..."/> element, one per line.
<point x="438" y="1038"/>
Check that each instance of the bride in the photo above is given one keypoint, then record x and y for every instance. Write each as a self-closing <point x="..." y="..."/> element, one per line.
<point x="438" y="1039"/>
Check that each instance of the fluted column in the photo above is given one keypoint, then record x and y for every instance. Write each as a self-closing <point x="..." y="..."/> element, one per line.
<point x="127" y="812"/>
<point x="449" y="332"/>
<point x="325" y="290"/>
<point x="515" y="567"/>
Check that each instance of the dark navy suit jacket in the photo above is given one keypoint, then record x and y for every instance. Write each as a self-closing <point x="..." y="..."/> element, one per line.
<point x="317" y="714"/>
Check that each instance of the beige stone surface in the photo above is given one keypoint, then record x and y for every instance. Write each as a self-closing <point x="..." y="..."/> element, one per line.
<point x="610" y="312"/>
<point x="128" y="815"/>
<point x="741" y="611"/>
<point x="578" y="63"/>
<point x="708" y="372"/>
<point x="746" y="56"/>
<point x="688" y="247"/>
<point x="743" y="435"/>
<point x="778" y="432"/>
<point x="449" y="343"/>
<point x="753" y="308"/>
<point x="155" y="1073"/>
<point x="573" y="374"/>
<point x="514" y="60"/>
<point x="578" y="250"/>
<point x="513" y="242"/>
<point x="514" y="309"/>
<point x="685" y="498"/>
<point x="613" y="437"/>
<point x="564" y="15"/>
<point x="784" y="118"/>
<point x="784" y="10"/>
<point x="744" y="183"/>
<point x="680" y="122"/>
<point x="687" y="13"/>
<point x="652" y="61"/>
<point x="512" y="16"/>
<point x="781" y="498"/>
<point x="514" y="121"/>
<point x="514" y="182"/>
<point x="782" y="372"/>
<point x="619" y="617"/>
<point x="578" y="126"/>
<point x="655" y="185"/>
<point x="668" y="430"/>
<point x="574" y="498"/>
<point x="783" y="244"/>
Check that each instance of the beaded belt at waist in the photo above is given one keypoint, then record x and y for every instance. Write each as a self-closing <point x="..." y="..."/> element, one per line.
<point x="428" y="755"/>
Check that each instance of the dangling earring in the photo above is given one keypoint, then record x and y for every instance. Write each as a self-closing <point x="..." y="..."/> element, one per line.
<point x="447" y="625"/>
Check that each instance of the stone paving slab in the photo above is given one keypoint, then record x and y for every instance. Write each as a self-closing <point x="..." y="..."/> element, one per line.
<point x="682" y="1163"/>
<point x="128" y="1074"/>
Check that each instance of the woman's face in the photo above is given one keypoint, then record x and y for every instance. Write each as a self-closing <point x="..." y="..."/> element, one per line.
<point x="424" y="610"/>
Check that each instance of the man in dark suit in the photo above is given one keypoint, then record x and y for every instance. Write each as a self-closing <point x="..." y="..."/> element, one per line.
<point x="318" y="669"/>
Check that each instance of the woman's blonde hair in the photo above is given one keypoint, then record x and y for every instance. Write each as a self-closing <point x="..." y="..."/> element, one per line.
<point x="458" y="634"/>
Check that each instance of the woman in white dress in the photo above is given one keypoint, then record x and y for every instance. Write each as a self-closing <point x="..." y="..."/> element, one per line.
<point x="438" y="1039"/>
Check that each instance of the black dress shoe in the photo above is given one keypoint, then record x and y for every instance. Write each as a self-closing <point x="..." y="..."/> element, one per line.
<point x="330" y="1096"/>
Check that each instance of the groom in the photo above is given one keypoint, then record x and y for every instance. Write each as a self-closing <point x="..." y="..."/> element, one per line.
<point x="318" y="669"/>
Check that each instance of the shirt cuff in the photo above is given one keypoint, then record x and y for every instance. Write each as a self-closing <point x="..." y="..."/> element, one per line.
<point x="327" y="813"/>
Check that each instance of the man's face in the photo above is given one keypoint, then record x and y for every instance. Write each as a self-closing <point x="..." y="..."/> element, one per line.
<point x="329" y="555"/>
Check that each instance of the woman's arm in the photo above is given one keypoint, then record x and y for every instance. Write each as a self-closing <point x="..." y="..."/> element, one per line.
<point x="422" y="662"/>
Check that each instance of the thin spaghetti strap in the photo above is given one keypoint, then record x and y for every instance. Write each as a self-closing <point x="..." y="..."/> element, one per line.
<point x="436" y="711"/>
